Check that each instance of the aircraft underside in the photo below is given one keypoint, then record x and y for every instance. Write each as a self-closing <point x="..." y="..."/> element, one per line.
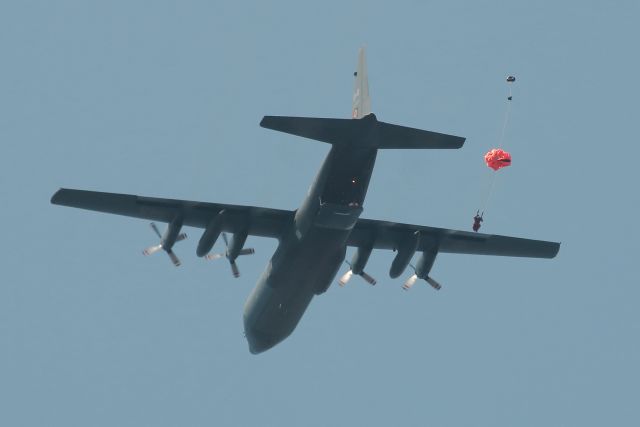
<point x="298" y="270"/>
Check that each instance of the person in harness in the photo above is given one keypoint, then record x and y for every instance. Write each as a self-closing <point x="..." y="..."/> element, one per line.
<point x="477" y="220"/>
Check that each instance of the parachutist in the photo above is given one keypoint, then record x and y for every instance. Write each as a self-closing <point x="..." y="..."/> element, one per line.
<point x="477" y="220"/>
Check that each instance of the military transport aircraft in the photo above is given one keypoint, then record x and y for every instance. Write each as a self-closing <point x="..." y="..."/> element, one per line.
<point x="313" y="239"/>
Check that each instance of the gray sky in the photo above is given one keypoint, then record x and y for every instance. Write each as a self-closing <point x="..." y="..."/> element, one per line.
<point x="164" y="99"/>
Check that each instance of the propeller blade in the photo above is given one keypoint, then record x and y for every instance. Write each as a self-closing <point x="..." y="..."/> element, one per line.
<point x="345" y="278"/>
<point x="226" y="240"/>
<point x="174" y="258"/>
<point x="370" y="280"/>
<point x="151" y="250"/>
<point x="234" y="270"/>
<point x="433" y="283"/>
<point x="247" y="251"/>
<point x="214" y="256"/>
<point x="410" y="282"/>
<point x="181" y="236"/>
<point x="155" y="228"/>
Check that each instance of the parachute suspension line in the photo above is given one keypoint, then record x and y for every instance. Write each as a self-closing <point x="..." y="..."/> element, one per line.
<point x="507" y="115"/>
<point x="487" y="196"/>
<point x="494" y="175"/>
<point x="496" y="158"/>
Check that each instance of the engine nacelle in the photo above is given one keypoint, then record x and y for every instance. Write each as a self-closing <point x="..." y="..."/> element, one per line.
<point x="406" y="250"/>
<point x="210" y="235"/>
<point x="359" y="260"/>
<point x="169" y="237"/>
<point x="425" y="263"/>
<point x="237" y="242"/>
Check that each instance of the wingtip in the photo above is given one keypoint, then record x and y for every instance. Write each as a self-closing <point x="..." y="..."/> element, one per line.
<point x="266" y="122"/>
<point x="556" y="249"/>
<point x="55" y="199"/>
<point x="553" y="248"/>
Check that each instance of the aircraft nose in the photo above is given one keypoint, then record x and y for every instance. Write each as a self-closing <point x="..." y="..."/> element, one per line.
<point x="259" y="342"/>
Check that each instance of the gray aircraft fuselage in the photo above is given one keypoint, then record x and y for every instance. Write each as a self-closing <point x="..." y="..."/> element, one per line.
<point x="312" y="250"/>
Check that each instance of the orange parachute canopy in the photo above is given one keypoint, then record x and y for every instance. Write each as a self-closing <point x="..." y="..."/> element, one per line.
<point x="497" y="158"/>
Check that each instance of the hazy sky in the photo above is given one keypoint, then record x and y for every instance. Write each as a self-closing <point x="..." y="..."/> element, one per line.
<point x="164" y="99"/>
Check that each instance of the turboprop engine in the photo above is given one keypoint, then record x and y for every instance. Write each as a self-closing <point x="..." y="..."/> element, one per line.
<point x="167" y="240"/>
<point x="234" y="250"/>
<point x="356" y="266"/>
<point x="210" y="235"/>
<point x="422" y="270"/>
<point x="406" y="250"/>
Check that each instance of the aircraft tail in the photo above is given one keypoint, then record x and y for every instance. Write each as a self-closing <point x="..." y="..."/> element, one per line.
<point x="367" y="132"/>
<point x="363" y="130"/>
<point x="361" y="105"/>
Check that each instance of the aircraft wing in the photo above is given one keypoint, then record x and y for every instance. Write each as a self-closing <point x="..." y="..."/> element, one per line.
<point x="266" y="222"/>
<point x="390" y="235"/>
<point x="263" y="222"/>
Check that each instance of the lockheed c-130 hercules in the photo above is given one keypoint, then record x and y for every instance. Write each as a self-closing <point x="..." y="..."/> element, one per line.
<point x="313" y="239"/>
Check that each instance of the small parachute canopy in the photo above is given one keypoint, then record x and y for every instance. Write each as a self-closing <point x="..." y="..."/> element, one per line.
<point x="497" y="159"/>
<point x="511" y="79"/>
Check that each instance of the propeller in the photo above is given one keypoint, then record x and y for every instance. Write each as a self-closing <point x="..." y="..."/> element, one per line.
<point x="153" y="249"/>
<point x="435" y="285"/>
<point x="412" y="280"/>
<point x="234" y="267"/>
<point x="347" y="276"/>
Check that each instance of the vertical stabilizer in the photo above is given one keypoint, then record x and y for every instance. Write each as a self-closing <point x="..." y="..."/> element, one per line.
<point x="368" y="133"/>
<point x="361" y="101"/>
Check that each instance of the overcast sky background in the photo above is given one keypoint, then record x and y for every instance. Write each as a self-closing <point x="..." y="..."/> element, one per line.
<point x="164" y="99"/>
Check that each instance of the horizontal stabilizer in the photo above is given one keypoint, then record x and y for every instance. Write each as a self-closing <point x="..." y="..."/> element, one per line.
<point x="367" y="132"/>
<point x="394" y="136"/>
<point x="332" y="131"/>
